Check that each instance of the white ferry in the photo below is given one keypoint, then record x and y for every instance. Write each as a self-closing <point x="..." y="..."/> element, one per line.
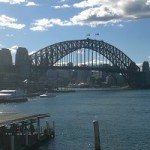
<point x="47" y="95"/>
<point x="8" y="96"/>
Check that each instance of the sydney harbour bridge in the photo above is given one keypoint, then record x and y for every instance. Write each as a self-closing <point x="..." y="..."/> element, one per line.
<point x="86" y="54"/>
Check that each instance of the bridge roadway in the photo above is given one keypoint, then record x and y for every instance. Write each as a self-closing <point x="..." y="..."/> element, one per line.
<point x="96" y="68"/>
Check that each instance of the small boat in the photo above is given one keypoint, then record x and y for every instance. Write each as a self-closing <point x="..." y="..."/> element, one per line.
<point x="9" y="96"/>
<point x="47" y="95"/>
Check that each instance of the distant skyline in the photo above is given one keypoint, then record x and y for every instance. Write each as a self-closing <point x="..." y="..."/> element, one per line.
<point x="35" y="24"/>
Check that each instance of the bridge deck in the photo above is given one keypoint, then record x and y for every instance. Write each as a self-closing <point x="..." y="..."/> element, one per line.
<point x="96" y="68"/>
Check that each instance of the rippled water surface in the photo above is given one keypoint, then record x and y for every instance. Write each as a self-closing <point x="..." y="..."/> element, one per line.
<point x="123" y="115"/>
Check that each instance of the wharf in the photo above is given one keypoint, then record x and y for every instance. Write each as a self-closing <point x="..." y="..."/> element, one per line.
<point x="23" y="131"/>
<point x="63" y="90"/>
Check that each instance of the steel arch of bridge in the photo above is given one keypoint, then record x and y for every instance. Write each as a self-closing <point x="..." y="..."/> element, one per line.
<point x="49" y="55"/>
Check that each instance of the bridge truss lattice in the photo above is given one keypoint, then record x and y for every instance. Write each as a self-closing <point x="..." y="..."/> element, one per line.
<point x="50" y="55"/>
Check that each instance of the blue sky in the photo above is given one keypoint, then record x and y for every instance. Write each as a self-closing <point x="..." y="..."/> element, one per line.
<point x="35" y="24"/>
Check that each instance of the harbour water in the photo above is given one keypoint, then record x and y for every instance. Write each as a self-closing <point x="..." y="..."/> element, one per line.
<point x="123" y="115"/>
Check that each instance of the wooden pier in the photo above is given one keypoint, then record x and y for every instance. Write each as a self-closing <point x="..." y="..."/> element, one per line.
<point x="24" y="131"/>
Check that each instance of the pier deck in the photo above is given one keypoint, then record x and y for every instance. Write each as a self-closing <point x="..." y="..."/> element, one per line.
<point x="9" y="118"/>
<point x="20" y="131"/>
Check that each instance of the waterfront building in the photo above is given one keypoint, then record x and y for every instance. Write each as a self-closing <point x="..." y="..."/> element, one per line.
<point x="119" y="79"/>
<point x="110" y="80"/>
<point x="55" y="78"/>
<point x="22" y="62"/>
<point x="145" y="66"/>
<point x="8" y="77"/>
<point x="5" y="60"/>
<point x="83" y="75"/>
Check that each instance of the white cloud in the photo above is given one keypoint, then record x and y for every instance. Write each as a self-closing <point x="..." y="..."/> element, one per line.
<point x="95" y="62"/>
<point x="13" y="1"/>
<point x="9" y="35"/>
<point x="96" y="16"/>
<point x="148" y="2"/>
<point x="13" y="49"/>
<point x="62" y="6"/>
<point x="139" y="65"/>
<point x="111" y="12"/>
<point x="38" y="28"/>
<point x="8" y="22"/>
<point x="32" y="4"/>
<point x="32" y="52"/>
<point x="100" y="12"/>
<point x="1" y="45"/>
<point x="62" y="1"/>
<point x="120" y="25"/>
<point x="89" y="3"/>
<point x="41" y="25"/>
<point x="44" y="24"/>
<point x="26" y="2"/>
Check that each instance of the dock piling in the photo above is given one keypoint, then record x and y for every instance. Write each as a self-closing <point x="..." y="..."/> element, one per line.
<point x="12" y="142"/>
<point x="27" y="138"/>
<point x="53" y="129"/>
<point x="96" y="135"/>
<point x="38" y="127"/>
